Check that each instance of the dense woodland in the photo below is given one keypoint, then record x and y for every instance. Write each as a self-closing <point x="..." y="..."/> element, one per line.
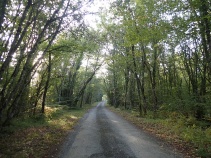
<point x="43" y="45"/>
<point x="158" y="56"/>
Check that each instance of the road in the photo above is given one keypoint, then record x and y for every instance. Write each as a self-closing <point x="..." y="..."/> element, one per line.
<point x="103" y="134"/>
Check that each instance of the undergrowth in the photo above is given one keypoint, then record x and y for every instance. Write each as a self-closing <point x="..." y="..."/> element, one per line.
<point x="187" y="135"/>
<point x="40" y="135"/>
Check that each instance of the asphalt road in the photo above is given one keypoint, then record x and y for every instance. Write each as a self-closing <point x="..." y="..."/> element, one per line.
<point x="103" y="134"/>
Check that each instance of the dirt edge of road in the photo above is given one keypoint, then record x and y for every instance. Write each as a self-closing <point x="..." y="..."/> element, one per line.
<point x="172" y="142"/>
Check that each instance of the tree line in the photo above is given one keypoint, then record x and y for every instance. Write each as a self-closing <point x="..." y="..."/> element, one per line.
<point x="159" y="56"/>
<point x="42" y="48"/>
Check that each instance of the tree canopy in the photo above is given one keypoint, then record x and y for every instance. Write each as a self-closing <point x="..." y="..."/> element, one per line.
<point x="157" y="55"/>
<point x="161" y="49"/>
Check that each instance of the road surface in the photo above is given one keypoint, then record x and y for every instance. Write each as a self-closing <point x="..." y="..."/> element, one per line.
<point x="103" y="134"/>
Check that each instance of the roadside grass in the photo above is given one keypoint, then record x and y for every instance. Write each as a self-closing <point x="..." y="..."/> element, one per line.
<point x="188" y="136"/>
<point x="39" y="136"/>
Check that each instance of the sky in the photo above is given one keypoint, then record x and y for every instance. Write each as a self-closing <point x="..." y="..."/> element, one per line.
<point x="93" y="19"/>
<point x="96" y="7"/>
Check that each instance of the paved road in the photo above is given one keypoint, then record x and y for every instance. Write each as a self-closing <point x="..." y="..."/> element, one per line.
<point x="103" y="134"/>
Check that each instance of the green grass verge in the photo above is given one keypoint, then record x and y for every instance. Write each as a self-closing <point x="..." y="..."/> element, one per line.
<point x="39" y="136"/>
<point x="186" y="135"/>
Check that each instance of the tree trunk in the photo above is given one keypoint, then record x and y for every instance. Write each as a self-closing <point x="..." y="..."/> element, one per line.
<point x="137" y="80"/>
<point x="77" y="97"/>
<point x="154" y="70"/>
<point x="46" y="84"/>
<point x="82" y="100"/>
<point x="126" y="86"/>
<point x="143" y="82"/>
<point x="3" y="5"/>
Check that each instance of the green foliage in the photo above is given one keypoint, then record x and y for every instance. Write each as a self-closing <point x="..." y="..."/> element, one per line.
<point x="76" y="58"/>
<point x="199" y="137"/>
<point x="192" y="131"/>
<point x="177" y="129"/>
<point x="156" y="51"/>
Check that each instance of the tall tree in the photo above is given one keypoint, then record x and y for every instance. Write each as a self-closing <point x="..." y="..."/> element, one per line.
<point x="28" y="29"/>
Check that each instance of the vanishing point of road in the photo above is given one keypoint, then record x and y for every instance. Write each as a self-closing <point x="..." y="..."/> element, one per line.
<point x="103" y="134"/>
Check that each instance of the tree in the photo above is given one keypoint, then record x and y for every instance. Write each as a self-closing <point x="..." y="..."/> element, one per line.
<point x="28" y="29"/>
<point x="165" y="46"/>
<point x="71" y="50"/>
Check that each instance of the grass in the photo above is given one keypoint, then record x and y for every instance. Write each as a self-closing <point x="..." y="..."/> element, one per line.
<point x="188" y="136"/>
<point x="39" y="136"/>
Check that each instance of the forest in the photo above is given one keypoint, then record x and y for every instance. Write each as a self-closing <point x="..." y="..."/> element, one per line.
<point x="161" y="56"/>
<point x="43" y="44"/>
<point x="157" y="56"/>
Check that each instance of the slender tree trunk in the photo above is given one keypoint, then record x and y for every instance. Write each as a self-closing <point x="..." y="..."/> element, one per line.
<point x="137" y="80"/>
<point x="82" y="99"/>
<point x="81" y="91"/>
<point x="205" y="30"/>
<point x="154" y="70"/>
<point x="126" y="86"/>
<point x="131" y="90"/>
<point x="3" y="4"/>
<point x="127" y="79"/>
<point x="143" y="82"/>
<point x="39" y="93"/>
<point x="46" y="84"/>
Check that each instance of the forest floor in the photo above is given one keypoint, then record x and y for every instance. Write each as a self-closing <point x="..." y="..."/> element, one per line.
<point x="39" y="136"/>
<point x="193" y="142"/>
